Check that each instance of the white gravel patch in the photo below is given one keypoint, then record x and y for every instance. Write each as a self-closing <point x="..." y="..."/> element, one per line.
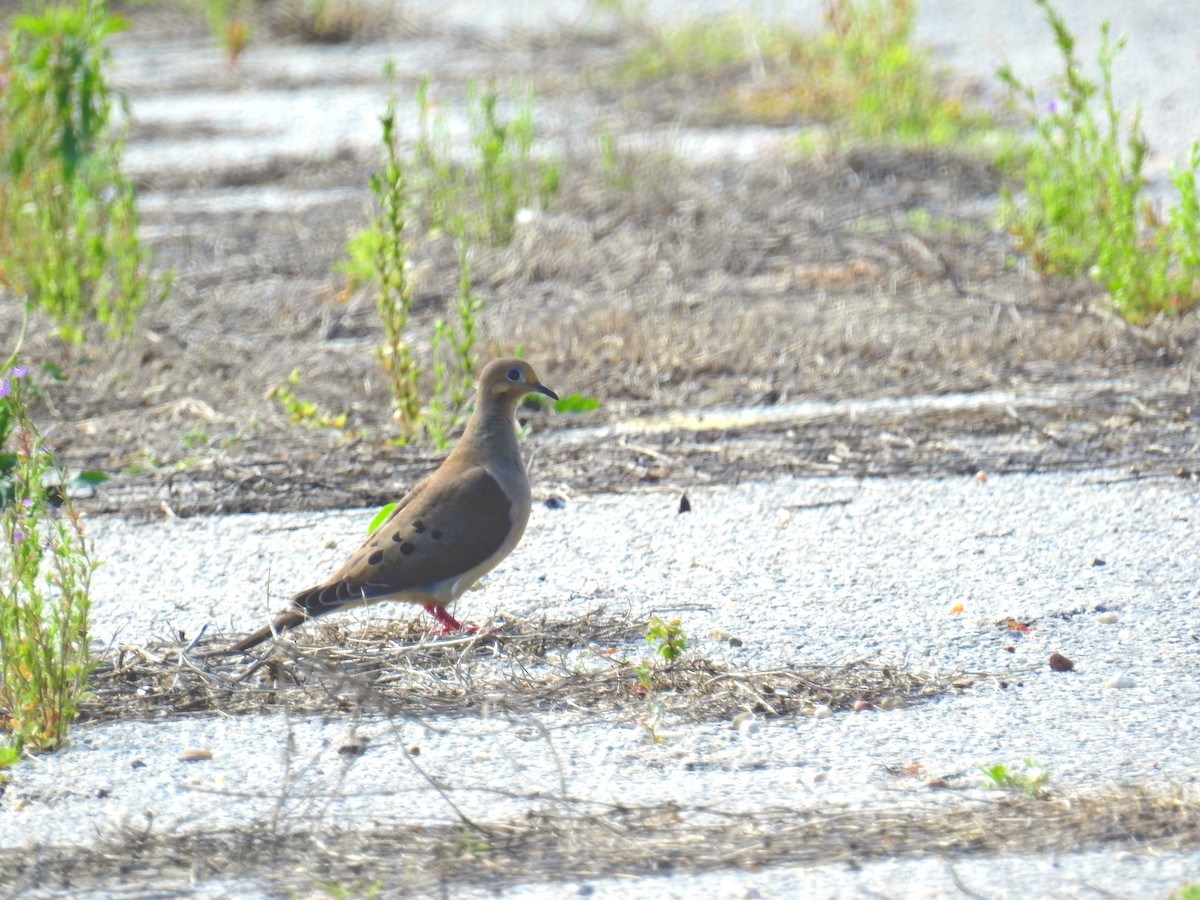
<point x="804" y="572"/>
<point x="1102" y="568"/>
<point x="1110" y="873"/>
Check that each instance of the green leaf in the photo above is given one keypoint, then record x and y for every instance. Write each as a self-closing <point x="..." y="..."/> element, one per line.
<point x="90" y="476"/>
<point x="8" y="756"/>
<point x="575" y="403"/>
<point x="380" y="517"/>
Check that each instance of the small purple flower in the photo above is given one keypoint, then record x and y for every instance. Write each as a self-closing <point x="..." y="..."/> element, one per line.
<point x="1051" y="106"/>
<point x="20" y="371"/>
<point x="18" y="535"/>
<point x="27" y="502"/>
<point x="4" y="386"/>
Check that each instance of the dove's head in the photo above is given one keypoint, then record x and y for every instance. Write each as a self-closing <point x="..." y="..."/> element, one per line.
<point x="511" y="379"/>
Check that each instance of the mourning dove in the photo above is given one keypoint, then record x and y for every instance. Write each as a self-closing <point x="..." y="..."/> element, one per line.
<point x="450" y="530"/>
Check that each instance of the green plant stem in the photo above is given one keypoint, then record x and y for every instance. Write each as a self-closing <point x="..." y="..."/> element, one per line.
<point x="44" y="602"/>
<point x="68" y="221"/>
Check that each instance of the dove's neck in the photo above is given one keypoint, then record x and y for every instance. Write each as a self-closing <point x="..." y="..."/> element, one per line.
<point x="491" y="432"/>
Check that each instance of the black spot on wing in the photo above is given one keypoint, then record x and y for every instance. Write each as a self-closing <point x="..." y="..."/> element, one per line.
<point x="465" y="524"/>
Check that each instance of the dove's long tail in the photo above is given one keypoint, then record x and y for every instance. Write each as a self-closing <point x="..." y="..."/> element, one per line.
<point x="286" y="620"/>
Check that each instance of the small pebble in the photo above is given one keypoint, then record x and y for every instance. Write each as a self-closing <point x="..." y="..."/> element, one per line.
<point x="745" y="723"/>
<point x="822" y="711"/>
<point x="1107" y="618"/>
<point x="1119" y="681"/>
<point x="195" y="754"/>
<point x="860" y="705"/>
<point x="1060" y="663"/>
<point x="352" y="747"/>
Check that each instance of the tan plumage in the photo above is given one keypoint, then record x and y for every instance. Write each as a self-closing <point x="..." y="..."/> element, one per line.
<point x="450" y="529"/>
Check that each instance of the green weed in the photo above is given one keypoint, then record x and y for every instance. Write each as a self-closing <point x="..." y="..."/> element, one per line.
<point x="612" y="164"/>
<point x="338" y="891"/>
<point x="230" y="26"/>
<point x="861" y="73"/>
<point x="506" y="175"/>
<point x="299" y="412"/>
<point x="380" y="516"/>
<point x="439" y="185"/>
<point x="44" y="603"/>
<point x="1190" y="891"/>
<point x="358" y="265"/>
<point x="667" y="641"/>
<point x="1031" y="779"/>
<point x="501" y="175"/>
<point x="575" y="403"/>
<point x="447" y="406"/>
<point x="467" y="204"/>
<point x="329" y="21"/>
<point x="68" y="221"/>
<point x="1084" y="211"/>
<point x="394" y="288"/>
<point x="644" y="671"/>
<point x="667" y="638"/>
<point x="194" y="438"/>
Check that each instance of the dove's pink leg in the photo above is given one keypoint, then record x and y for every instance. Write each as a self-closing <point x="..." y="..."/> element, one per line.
<point x="447" y="621"/>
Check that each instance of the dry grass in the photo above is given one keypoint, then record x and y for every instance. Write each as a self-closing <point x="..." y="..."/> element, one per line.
<point x="550" y="665"/>
<point x="779" y="281"/>
<point x="546" y="666"/>
<point x="1148" y="433"/>
<point x="576" y="842"/>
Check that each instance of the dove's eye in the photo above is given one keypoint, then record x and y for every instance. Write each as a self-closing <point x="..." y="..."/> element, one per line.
<point x="514" y="375"/>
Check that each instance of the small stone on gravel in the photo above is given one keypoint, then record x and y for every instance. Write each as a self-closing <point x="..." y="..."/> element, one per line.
<point x="746" y="723"/>
<point x="1060" y="663"/>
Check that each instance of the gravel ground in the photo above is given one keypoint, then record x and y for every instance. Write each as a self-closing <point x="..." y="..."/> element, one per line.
<point x="1101" y="567"/>
<point x="812" y="571"/>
